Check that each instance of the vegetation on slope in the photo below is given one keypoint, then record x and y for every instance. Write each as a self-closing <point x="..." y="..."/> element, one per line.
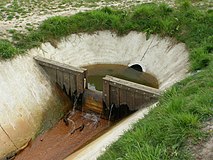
<point x="163" y="134"/>
<point x="7" y="50"/>
<point x="186" y="23"/>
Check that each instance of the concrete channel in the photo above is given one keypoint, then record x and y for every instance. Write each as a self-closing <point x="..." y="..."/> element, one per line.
<point x="31" y="103"/>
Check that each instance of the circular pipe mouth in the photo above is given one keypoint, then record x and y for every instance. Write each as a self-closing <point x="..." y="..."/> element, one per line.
<point x="137" y="67"/>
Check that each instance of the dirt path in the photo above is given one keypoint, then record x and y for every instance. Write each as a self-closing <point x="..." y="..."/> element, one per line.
<point x="23" y="16"/>
<point x="204" y="150"/>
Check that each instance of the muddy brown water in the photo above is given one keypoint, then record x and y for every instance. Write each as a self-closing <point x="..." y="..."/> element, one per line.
<point x="98" y="71"/>
<point x="62" y="140"/>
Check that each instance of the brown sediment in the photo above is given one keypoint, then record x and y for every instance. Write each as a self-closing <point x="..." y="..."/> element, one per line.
<point x="62" y="140"/>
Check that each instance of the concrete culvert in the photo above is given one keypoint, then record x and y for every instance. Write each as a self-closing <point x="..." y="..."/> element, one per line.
<point x="137" y="67"/>
<point x="29" y="102"/>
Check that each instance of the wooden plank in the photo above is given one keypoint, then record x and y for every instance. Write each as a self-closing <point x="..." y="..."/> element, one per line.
<point x="130" y="99"/>
<point x="57" y="65"/>
<point x="124" y="84"/>
<point x="138" y="100"/>
<point x="105" y="94"/>
<point x="60" y="78"/>
<point x="73" y="84"/>
<point x="66" y="82"/>
<point x="80" y="83"/>
<point x="146" y="100"/>
<point x="123" y="96"/>
<point x="92" y="101"/>
<point x="51" y="73"/>
<point x="114" y="95"/>
<point x="146" y="97"/>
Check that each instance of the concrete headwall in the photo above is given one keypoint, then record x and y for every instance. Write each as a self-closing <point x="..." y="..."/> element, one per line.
<point x="162" y="57"/>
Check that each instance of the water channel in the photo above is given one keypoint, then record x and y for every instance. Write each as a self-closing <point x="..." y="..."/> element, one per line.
<point x="98" y="71"/>
<point x="82" y="127"/>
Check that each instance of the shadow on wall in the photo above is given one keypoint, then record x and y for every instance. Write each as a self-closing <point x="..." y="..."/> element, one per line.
<point x="56" y="111"/>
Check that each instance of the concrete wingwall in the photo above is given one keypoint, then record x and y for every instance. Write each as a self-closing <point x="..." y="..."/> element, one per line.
<point x="29" y="102"/>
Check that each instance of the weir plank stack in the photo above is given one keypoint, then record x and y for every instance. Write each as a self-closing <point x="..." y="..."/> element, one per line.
<point x="122" y="92"/>
<point x="116" y="91"/>
<point x="69" y="78"/>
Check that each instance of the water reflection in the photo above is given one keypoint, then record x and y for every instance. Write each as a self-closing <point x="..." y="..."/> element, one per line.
<point x="98" y="71"/>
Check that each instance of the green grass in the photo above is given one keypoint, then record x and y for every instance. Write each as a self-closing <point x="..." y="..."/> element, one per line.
<point x="7" y="50"/>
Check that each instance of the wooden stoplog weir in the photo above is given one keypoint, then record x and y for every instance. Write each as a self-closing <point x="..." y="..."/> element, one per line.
<point x="121" y="92"/>
<point x="69" y="78"/>
<point x="117" y="92"/>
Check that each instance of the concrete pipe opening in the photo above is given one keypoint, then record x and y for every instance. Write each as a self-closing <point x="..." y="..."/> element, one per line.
<point x="137" y="67"/>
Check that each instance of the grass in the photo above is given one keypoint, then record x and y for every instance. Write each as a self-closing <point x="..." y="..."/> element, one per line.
<point x="7" y="50"/>
<point x="163" y="134"/>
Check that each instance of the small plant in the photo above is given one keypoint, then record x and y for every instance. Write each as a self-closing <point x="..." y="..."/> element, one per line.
<point x="10" y="17"/>
<point x="7" y="50"/>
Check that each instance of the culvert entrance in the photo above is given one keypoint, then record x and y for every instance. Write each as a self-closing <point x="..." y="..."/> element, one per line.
<point x="96" y="72"/>
<point x="94" y="112"/>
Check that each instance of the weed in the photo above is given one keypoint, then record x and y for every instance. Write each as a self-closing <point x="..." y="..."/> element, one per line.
<point x="7" y="50"/>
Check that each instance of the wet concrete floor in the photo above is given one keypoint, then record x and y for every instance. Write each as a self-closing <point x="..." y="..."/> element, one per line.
<point x="62" y="140"/>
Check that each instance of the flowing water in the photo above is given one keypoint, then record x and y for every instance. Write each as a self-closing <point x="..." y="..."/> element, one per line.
<point x="98" y="71"/>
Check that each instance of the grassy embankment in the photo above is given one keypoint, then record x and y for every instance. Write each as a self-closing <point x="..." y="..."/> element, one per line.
<point x="182" y="110"/>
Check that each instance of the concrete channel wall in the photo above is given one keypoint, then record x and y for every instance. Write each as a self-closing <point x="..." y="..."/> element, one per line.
<point x="29" y="103"/>
<point x="164" y="58"/>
